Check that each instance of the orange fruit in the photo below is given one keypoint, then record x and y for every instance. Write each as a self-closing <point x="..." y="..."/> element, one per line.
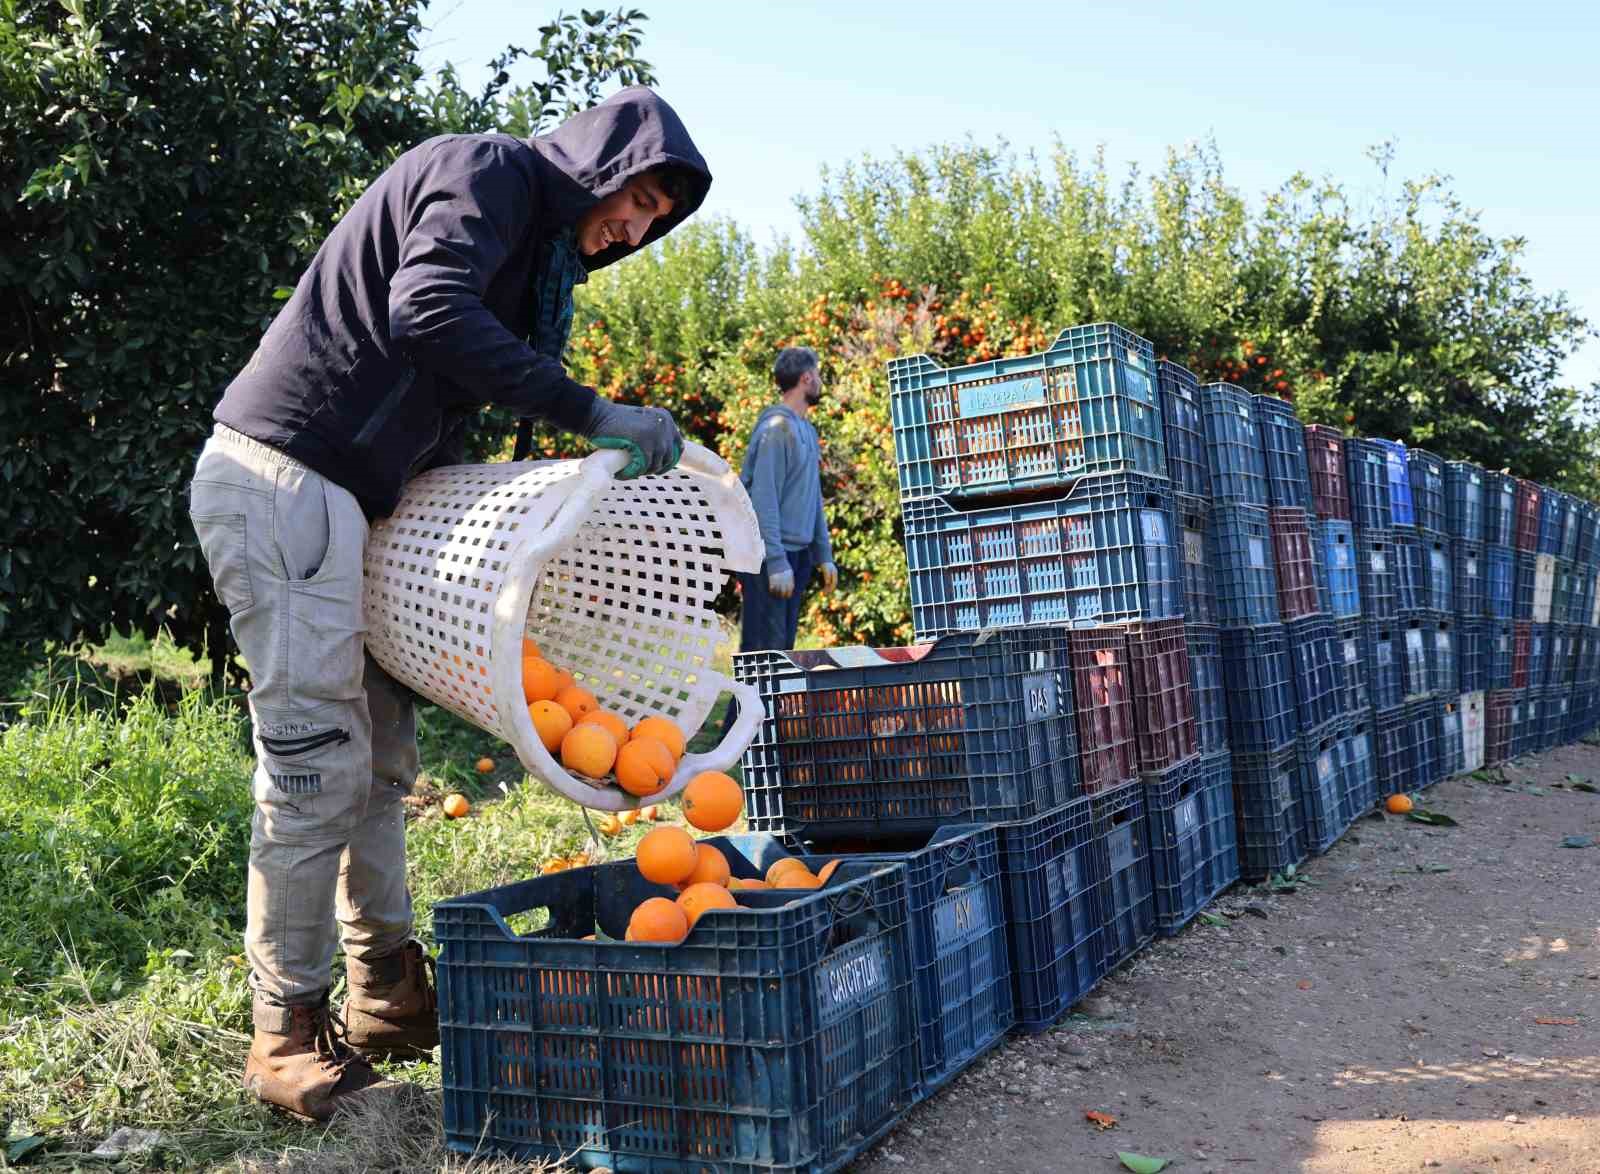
<point x="550" y="722"/>
<point x="610" y="825"/>
<point x="485" y="765"/>
<point x="563" y="679"/>
<point x="736" y="883"/>
<point x="530" y="649"/>
<point x="826" y="871"/>
<point x="797" y="878"/>
<point x="779" y="867"/>
<point x="710" y="867"/>
<point x="556" y="865"/>
<point x="697" y="899"/>
<point x="578" y="702"/>
<point x="1398" y="804"/>
<point x="658" y="920"/>
<point x="643" y="766"/>
<point x="712" y="801"/>
<point x="604" y="717"/>
<point x="589" y="750"/>
<point x="629" y="817"/>
<point x="456" y="805"/>
<point x="539" y="682"/>
<point x="665" y="730"/>
<point x="666" y="855"/>
<point x="652" y="813"/>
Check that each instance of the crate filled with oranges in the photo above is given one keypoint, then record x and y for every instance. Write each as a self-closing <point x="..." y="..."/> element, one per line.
<point x="712" y="1003"/>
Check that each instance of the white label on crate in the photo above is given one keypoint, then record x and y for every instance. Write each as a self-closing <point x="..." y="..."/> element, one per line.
<point x="1258" y="553"/>
<point x="961" y="916"/>
<point x="1285" y="793"/>
<point x="1186" y="816"/>
<point x="852" y="978"/>
<point x="988" y="398"/>
<point x="1341" y="555"/>
<point x="1122" y="848"/>
<point x="1194" y="547"/>
<point x="1351" y="651"/>
<point x="1039" y="697"/>
<point x="1380" y="563"/>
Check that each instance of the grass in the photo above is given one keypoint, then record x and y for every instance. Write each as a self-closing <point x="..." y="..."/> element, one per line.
<point x="124" y="825"/>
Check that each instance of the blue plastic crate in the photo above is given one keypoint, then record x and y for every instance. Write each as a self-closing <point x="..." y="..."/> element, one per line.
<point x="1450" y="751"/>
<point x="1266" y="799"/>
<point x="1320" y="777"/>
<point x="1393" y="749"/>
<point x="1124" y="839"/>
<point x="796" y="1011"/>
<point x="1257" y="678"/>
<point x="1499" y="647"/>
<point x="1233" y="450"/>
<point x="1194" y="846"/>
<point x="1366" y="464"/>
<point x="1438" y="574"/>
<point x="1552" y="521"/>
<point x="1499" y="509"/>
<point x="1469" y="579"/>
<point x="1358" y="761"/>
<point x="1283" y="446"/>
<point x="1316" y="661"/>
<point x="1184" y="429"/>
<point x="1524" y="722"/>
<point x="1472" y="655"/>
<point x="1463" y="500"/>
<point x="959" y="951"/>
<point x="1086" y="405"/>
<point x="1377" y="574"/>
<point x="1563" y="582"/>
<point x="1538" y="654"/>
<point x="1523" y="589"/>
<point x="1398" y="477"/>
<point x="1444" y="666"/>
<point x="1355" y="695"/>
<point x="1243" y="571"/>
<point x="1106" y="552"/>
<point x="1588" y="516"/>
<point x="1572" y="527"/>
<point x="1414" y="644"/>
<point x="1423" y="720"/>
<point x="1199" y="581"/>
<point x="1558" y="660"/>
<point x="1500" y="582"/>
<point x="1553" y="717"/>
<point x="885" y="742"/>
<point x="1205" y="687"/>
<point x="1411" y="572"/>
<point x="1587" y="660"/>
<point x="1385" y="649"/>
<point x="1337" y="542"/>
<point x="1426" y="473"/>
<point x="1055" y="910"/>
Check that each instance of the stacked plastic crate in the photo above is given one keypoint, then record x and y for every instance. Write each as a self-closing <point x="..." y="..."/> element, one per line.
<point x="1499" y="596"/>
<point x="1464" y="525"/>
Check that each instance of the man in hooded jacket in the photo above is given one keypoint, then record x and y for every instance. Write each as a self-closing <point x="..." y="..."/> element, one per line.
<point x="446" y="287"/>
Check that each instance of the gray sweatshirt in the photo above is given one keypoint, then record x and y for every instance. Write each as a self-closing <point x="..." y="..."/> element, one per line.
<point x="783" y="473"/>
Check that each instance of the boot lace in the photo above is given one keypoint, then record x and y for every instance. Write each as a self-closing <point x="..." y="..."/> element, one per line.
<point x="332" y="1050"/>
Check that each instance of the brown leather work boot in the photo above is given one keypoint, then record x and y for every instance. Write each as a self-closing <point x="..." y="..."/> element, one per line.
<point x="392" y="1011"/>
<point x="300" y="1063"/>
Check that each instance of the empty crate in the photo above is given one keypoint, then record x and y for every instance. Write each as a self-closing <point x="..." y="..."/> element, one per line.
<point x="1238" y="470"/>
<point x="1463" y="501"/>
<point x="1330" y="495"/>
<point x="1194" y="850"/>
<point x="1283" y="445"/>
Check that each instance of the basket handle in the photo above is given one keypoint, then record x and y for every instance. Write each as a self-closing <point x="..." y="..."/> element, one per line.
<point x="731" y="749"/>
<point x="957" y="861"/>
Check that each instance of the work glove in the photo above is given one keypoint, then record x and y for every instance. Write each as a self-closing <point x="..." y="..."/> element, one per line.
<point x="830" y="576"/>
<point x="649" y="436"/>
<point x="781" y="583"/>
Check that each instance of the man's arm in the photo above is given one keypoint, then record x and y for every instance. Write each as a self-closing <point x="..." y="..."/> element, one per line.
<point x="769" y="465"/>
<point x="474" y="207"/>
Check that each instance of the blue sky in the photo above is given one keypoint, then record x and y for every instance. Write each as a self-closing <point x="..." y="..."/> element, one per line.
<point x="1504" y="98"/>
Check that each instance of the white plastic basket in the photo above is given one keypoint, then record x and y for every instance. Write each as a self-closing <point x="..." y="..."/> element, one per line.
<point x="616" y="581"/>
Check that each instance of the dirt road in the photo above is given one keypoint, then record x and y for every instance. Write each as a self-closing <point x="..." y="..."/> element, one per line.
<point x="1431" y="1003"/>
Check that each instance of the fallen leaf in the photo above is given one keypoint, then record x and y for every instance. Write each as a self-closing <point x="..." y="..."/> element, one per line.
<point x="18" y="1148"/>
<point x="1433" y="868"/>
<point x="1304" y="984"/>
<point x="1586" y="786"/>
<point x="1530" y="789"/>
<point x="1437" y="819"/>
<point x="1578" y="842"/>
<point x="1213" y="919"/>
<point x="1101" y="1120"/>
<point x="1556" y="1021"/>
<point x="1140" y="1164"/>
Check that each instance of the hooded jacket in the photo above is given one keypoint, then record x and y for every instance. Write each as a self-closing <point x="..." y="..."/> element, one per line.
<point x="418" y="307"/>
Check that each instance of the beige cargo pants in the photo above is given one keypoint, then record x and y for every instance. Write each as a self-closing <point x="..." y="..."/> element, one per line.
<point x="335" y="736"/>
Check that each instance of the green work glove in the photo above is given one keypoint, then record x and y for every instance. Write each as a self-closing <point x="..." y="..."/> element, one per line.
<point x="649" y="436"/>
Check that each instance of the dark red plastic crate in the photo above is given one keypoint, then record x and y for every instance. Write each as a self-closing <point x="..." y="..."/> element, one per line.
<point x="1102" y="685"/>
<point x="1163" y="705"/>
<point x="1497" y="726"/>
<point x="1330" y="493"/>
<point x="1529" y="498"/>
<point x="1291" y="552"/>
<point x="1521" y="638"/>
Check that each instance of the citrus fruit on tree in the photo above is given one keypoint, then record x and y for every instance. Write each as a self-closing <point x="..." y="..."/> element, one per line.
<point x="698" y="899"/>
<point x="550" y="722"/>
<point x="712" y="801"/>
<point x="456" y="805"/>
<point x="657" y="920"/>
<point x="589" y="751"/>
<point x="666" y="855"/>
<point x="664" y="730"/>
<point x="644" y="766"/>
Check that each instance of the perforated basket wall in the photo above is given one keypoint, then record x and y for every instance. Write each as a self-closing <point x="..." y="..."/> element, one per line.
<point x="616" y="582"/>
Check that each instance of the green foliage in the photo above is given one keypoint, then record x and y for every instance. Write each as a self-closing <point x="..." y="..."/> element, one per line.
<point x="168" y="169"/>
<point x="1402" y="320"/>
